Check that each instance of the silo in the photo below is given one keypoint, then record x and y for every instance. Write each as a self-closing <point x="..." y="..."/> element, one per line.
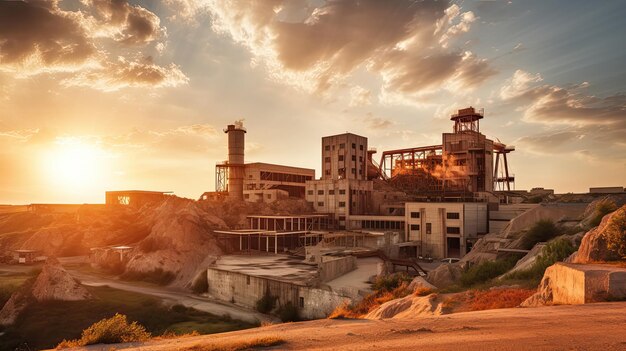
<point x="236" y="147"/>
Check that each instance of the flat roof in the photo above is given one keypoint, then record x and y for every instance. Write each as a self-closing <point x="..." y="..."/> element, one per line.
<point x="276" y="267"/>
<point x="281" y="166"/>
<point x="346" y="133"/>
<point x="139" y="192"/>
<point x="288" y="216"/>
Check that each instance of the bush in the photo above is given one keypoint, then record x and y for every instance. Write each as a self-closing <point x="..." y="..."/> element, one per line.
<point x="603" y="208"/>
<point x="542" y="230"/>
<point x="391" y="281"/>
<point x="498" y="298"/>
<point x="109" y="331"/>
<point x="266" y="303"/>
<point x="201" y="284"/>
<point x="615" y="234"/>
<point x="370" y="302"/>
<point x="487" y="270"/>
<point x="288" y="313"/>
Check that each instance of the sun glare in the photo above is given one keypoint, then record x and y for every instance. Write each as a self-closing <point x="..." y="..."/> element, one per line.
<point x="74" y="164"/>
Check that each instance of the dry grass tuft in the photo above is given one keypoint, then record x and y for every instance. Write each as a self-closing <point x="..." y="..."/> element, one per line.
<point x="478" y="300"/>
<point x="267" y="341"/>
<point x="370" y="302"/>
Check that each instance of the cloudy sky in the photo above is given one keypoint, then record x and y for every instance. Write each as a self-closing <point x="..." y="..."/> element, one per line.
<point x="110" y="94"/>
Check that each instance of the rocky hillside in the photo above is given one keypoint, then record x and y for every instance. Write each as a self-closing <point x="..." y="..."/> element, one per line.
<point x="53" y="283"/>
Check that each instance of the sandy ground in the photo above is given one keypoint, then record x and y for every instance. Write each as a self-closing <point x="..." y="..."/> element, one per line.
<point x="599" y="326"/>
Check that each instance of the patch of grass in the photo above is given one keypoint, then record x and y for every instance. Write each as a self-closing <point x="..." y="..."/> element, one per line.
<point x="542" y="230"/>
<point x="267" y="341"/>
<point x="109" y="331"/>
<point x="157" y="276"/>
<point x="371" y="301"/>
<point x="482" y="272"/>
<point x="478" y="300"/>
<point x="391" y="281"/>
<point x="45" y="324"/>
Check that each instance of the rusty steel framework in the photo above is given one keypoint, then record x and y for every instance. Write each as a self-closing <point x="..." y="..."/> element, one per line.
<point x="502" y="179"/>
<point x="221" y="177"/>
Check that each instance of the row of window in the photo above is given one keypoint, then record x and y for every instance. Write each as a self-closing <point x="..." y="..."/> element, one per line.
<point x="449" y="215"/>
<point x="449" y="230"/>
<point x="340" y="158"/>
<point x="332" y="192"/>
<point x="340" y="204"/>
<point x="343" y="146"/>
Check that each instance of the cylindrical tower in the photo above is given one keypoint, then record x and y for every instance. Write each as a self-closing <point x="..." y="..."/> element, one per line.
<point x="236" y="147"/>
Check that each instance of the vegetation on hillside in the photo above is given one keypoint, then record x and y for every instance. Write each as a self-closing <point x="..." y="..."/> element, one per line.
<point x="45" y="324"/>
<point x="109" y="331"/>
<point x="555" y="251"/>
<point x="615" y="235"/>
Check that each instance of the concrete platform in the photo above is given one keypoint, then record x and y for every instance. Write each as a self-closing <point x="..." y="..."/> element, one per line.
<point x="282" y="267"/>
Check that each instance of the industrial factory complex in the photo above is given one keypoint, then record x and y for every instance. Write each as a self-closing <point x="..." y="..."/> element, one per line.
<point x="364" y="215"/>
<point x="436" y="199"/>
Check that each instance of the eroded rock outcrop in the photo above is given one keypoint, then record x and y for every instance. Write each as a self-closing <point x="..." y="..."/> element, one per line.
<point x="410" y="306"/>
<point x="53" y="283"/>
<point x="595" y="244"/>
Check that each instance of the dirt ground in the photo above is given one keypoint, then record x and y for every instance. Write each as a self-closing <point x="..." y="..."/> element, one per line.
<point x="600" y="326"/>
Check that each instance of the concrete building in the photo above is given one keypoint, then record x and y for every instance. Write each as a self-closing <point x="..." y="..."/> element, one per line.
<point x="344" y="156"/>
<point x="265" y="176"/>
<point x="135" y="198"/>
<point x="607" y="190"/>
<point x="445" y="229"/>
<point x="340" y="197"/>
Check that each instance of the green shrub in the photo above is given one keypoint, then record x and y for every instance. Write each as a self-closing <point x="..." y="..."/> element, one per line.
<point x="482" y="272"/>
<point x="542" y="230"/>
<point x="603" y="208"/>
<point x="555" y="251"/>
<point x="288" y="313"/>
<point x="535" y="200"/>
<point x="615" y="235"/>
<point x="391" y="281"/>
<point x="266" y="303"/>
<point x="109" y="331"/>
<point x="201" y="284"/>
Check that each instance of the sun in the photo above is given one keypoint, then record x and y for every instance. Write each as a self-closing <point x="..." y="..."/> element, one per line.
<point x="73" y="164"/>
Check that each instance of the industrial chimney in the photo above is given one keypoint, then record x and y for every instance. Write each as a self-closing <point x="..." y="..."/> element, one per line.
<point x="236" y="146"/>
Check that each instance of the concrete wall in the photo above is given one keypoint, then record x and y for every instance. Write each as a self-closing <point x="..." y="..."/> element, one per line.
<point x="334" y="267"/>
<point x="352" y="149"/>
<point x="341" y="197"/>
<point x="246" y="290"/>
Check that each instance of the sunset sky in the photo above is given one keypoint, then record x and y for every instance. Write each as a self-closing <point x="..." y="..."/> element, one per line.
<point x="102" y="95"/>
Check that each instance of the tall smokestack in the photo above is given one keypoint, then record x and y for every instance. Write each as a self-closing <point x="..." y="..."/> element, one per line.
<point x="236" y="146"/>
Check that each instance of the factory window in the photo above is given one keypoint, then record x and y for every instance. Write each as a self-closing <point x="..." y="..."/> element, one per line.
<point x="342" y="218"/>
<point x="452" y="215"/>
<point x="310" y="192"/>
<point x="327" y="159"/>
<point x="360" y="171"/>
<point x="327" y="172"/>
<point x="353" y="170"/>
<point x="327" y="147"/>
<point x="320" y="204"/>
<point x="353" y="145"/>
<point x="342" y="146"/>
<point x="453" y="230"/>
<point x="415" y="215"/>
<point x="429" y="228"/>
<point x="301" y="302"/>
<point x="246" y="196"/>
<point x="269" y="196"/>
<point x="331" y="192"/>
<point x="342" y="191"/>
<point x="340" y="157"/>
<point x="353" y="158"/>
<point x="361" y="147"/>
<point x="415" y="227"/>
<point x="342" y="204"/>
<point x="320" y="192"/>
<point x="361" y="158"/>
<point x="248" y="279"/>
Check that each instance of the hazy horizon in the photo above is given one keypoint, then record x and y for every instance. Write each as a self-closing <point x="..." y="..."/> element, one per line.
<point x="98" y="95"/>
